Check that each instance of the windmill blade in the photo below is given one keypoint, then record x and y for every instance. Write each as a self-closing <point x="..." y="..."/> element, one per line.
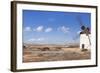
<point x="89" y="39"/>
<point x="87" y="33"/>
<point x="80" y="22"/>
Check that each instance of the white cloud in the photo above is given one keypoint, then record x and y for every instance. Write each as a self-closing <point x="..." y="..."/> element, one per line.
<point x="39" y="29"/>
<point x="27" y="29"/>
<point x="48" y="29"/>
<point x="35" y="39"/>
<point x="40" y="39"/>
<point x="64" y="29"/>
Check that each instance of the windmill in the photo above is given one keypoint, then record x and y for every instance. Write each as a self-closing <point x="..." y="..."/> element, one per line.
<point x="85" y="41"/>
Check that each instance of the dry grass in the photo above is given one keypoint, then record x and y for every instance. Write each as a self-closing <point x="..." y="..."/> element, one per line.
<point x="53" y="54"/>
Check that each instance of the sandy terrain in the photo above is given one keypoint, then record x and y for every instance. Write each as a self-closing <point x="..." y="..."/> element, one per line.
<point x="38" y="54"/>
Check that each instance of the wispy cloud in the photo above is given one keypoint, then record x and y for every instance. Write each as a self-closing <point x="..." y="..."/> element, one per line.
<point x="64" y="29"/>
<point x="35" y="39"/>
<point x="48" y="29"/>
<point x="40" y="39"/>
<point x="27" y="28"/>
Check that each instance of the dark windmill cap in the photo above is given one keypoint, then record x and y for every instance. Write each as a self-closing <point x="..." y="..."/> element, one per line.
<point x="85" y="31"/>
<point x="82" y="27"/>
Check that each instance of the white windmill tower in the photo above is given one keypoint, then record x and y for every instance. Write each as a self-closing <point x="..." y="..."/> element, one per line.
<point x="85" y="37"/>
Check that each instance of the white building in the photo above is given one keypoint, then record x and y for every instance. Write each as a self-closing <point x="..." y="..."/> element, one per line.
<point x="85" y="41"/>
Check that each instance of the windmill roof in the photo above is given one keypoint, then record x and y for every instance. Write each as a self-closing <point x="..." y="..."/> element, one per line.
<point x="84" y="32"/>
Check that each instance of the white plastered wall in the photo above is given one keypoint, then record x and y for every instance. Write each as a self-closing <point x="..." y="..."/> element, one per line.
<point x="84" y="39"/>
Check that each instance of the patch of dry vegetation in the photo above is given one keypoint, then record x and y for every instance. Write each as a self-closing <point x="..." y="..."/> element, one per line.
<point x="39" y="54"/>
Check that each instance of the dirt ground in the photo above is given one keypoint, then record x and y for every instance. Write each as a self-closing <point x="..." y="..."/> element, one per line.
<point x="38" y="55"/>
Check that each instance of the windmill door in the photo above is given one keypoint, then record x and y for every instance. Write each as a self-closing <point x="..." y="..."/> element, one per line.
<point x="83" y="46"/>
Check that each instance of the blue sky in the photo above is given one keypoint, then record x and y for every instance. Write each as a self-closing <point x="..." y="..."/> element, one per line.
<point x="51" y="27"/>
